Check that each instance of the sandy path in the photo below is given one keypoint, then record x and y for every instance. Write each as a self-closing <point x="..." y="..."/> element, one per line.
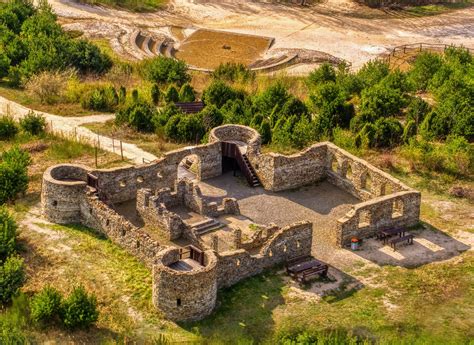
<point x="72" y="127"/>
<point x="339" y="27"/>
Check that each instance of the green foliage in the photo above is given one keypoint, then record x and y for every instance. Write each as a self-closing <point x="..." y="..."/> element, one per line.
<point x="186" y="93"/>
<point x="272" y="100"/>
<point x="219" y="93"/>
<point x="13" y="173"/>
<point x="372" y="73"/>
<point x="171" y="95"/>
<point x="79" y="309"/>
<point x="330" y="337"/>
<point x="12" y="277"/>
<point x="46" y="305"/>
<point x="233" y="72"/>
<point x="424" y="67"/>
<point x="265" y="131"/>
<point x="8" y="128"/>
<point x="385" y="132"/>
<point x="14" y="321"/>
<point x="155" y="94"/>
<point x="33" y="123"/>
<point x="417" y="110"/>
<point x="409" y="131"/>
<point x="381" y="100"/>
<point x="322" y="74"/>
<point x="165" y="70"/>
<point x="187" y="128"/>
<point x="32" y="41"/>
<point x="101" y="99"/>
<point x="138" y="115"/>
<point x="8" y="229"/>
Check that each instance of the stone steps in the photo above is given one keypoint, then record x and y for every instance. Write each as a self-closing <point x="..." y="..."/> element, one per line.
<point x="206" y="226"/>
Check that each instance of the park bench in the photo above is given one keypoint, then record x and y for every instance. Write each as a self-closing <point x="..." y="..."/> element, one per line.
<point x="408" y="238"/>
<point x="384" y="235"/>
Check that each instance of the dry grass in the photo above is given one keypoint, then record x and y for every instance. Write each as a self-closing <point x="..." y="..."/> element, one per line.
<point x="404" y="60"/>
<point x="149" y="142"/>
<point x="208" y="49"/>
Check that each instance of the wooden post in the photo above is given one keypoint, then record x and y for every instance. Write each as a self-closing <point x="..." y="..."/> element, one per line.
<point x="121" y="149"/>
<point x="113" y="144"/>
<point x="51" y="125"/>
<point x="98" y="140"/>
<point x="75" y="133"/>
<point x="421" y="46"/>
<point x="95" y="152"/>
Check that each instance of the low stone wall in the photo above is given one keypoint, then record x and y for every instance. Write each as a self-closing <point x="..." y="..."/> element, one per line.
<point x="289" y="242"/>
<point x="398" y="210"/>
<point x="260" y="236"/>
<point x="185" y="295"/>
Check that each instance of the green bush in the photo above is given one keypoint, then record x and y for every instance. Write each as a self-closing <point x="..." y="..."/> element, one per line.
<point x="101" y="99"/>
<point x="165" y="70"/>
<point x="79" y="310"/>
<point x="425" y="66"/>
<point x="188" y="128"/>
<point x="171" y="94"/>
<point x="233" y="72"/>
<point x="8" y="128"/>
<point x="219" y="93"/>
<point x="14" y="321"/>
<point x="186" y="93"/>
<point x="8" y="229"/>
<point x="46" y="305"/>
<point x="155" y="94"/>
<point x="138" y="115"/>
<point x="372" y="73"/>
<point x="322" y="74"/>
<point x="12" y="277"/>
<point x="33" y="123"/>
<point x="13" y="173"/>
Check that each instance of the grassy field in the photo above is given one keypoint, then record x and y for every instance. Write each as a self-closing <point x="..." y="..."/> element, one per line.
<point x="130" y="5"/>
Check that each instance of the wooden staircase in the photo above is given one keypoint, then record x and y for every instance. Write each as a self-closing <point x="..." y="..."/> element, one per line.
<point x="252" y="177"/>
<point x="231" y="150"/>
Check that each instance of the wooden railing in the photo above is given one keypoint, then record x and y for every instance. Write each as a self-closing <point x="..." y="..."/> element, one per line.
<point x="232" y="150"/>
<point x="420" y="47"/>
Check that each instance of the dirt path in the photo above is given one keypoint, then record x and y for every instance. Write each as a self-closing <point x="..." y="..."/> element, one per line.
<point x="339" y="27"/>
<point x="72" y="127"/>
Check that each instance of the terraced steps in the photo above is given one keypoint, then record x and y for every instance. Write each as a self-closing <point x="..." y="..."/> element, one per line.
<point x="206" y="226"/>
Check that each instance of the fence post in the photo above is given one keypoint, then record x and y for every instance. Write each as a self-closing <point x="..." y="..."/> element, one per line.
<point x="421" y="46"/>
<point x="121" y="149"/>
<point x="98" y="140"/>
<point x="95" y="152"/>
<point x="113" y="144"/>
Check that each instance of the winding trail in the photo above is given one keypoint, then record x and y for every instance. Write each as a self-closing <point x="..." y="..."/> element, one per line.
<point x="72" y="127"/>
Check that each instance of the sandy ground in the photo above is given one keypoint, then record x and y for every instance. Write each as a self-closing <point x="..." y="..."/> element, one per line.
<point x="72" y="127"/>
<point x="339" y="27"/>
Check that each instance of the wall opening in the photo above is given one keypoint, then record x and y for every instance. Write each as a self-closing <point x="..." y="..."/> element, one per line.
<point x="334" y="165"/>
<point x="364" y="218"/>
<point x="298" y="243"/>
<point x="140" y="179"/>
<point x="397" y="209"/>
<point x="348" y="173"/>
<point x="189" y="167"/>
<point x="366" y="182"/>
<point x="178" y="302"/>
<point x="55" y="203"/>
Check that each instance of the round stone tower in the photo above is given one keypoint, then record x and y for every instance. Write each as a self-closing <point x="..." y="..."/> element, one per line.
<point x="185" y="289"/>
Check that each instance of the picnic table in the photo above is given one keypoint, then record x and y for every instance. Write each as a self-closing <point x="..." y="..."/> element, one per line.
<point x="305" y="268"/>
<point x="384" y="235"/>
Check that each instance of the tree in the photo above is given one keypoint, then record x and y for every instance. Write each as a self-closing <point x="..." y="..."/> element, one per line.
<point x="13" y="173"/>
<point x="219" y="93"/>
<point x="272" y="99"/>
<point x="165" y="70"/>
<point x="265" y="132"/>
<point x="417" y="110"/>
<point x="211" y="117"/>
<point x="186" y="94"/>
<point x="322" y="74"/>
<point x="425" y="66"/>
<point x="372" y="73"/>
<point x="171" y="94"/>
<point x="381" y="100"/>
<point x="155" y="94"/>
<point x="137" y="115"/>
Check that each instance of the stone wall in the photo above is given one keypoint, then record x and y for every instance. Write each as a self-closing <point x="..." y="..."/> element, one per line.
<point x="185" y="295"/>
<point x="260" y="236"/>
<point x="289" y="242"/>
<point x="240" y="133"/>
<point x="398" y="210"/>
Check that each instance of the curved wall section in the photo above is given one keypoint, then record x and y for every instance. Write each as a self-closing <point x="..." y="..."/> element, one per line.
<point x="63" y="188"/>
<point x="238" y="133"/>
<point x="185" y="295"/>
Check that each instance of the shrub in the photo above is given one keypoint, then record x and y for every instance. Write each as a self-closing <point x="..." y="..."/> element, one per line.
<point x="46" y="305"/>
<point x="323" y="74"/>
<point x="272" y="99"/>
<point x="101" y="99"/>
<point x="79" y="310"/>
<point x="14" y="321"/>
<point x="13" y="173"/>
<point x="219" y="93"/>
<point x="8" y="128"/>
<point x="171" y="95"/>
<point x="155" y="94"/>
<point x="8" y="229"/>
<point x="165" y="70"/>
<point x="425" y="66"/>
<point x="372" y="73"/>
<point x="33" y="123"/>
<point x="186" y="93"/>
<point x="185" y="128"/>
<point x="48" y="86"/>
<point x="233" y="72"/>
<point x="381" y="100"/>
<point x="87" y="58"/>
<point x="137" y="115"/>
<point x="417" y="110"/>
<point x="211" y="117"/>
<point x="12" y="277"/>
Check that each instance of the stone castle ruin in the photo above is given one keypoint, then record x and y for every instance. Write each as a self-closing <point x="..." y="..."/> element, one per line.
<point x="205" y="217"/>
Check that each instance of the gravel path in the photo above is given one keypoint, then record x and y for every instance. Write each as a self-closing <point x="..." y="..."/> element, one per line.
<point x="72" y="127"/>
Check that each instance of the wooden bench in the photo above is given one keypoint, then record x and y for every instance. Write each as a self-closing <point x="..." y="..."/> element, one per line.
<point x="303" y="268"/>
<point x="306" y="275"/>
<point x="408" y="238"/>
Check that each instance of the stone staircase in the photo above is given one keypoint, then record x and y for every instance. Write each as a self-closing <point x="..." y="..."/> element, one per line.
<point x="205" y="226"/>
<point x="253" y="181"/>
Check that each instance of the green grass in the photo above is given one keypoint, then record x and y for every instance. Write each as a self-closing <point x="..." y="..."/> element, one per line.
<point x="435" y="9"/>
<point x="131" y="5"/>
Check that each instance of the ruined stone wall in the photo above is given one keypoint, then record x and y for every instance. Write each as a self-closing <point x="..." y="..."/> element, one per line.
<point x="397" y="210"/>
<point x="185" y="295"/>
<point x="258" y="238"/>
<point x="289" y="242"/>
<point x="97" y="215"/>
<point x="356" y="176"/>
<point x="279" y="172"/>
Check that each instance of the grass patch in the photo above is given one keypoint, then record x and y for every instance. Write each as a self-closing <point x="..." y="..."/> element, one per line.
<point x="435" y="9"/>
<point x="131" y="5"/>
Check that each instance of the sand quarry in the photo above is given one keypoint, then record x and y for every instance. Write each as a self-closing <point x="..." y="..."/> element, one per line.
<point x="341" y="28"/>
